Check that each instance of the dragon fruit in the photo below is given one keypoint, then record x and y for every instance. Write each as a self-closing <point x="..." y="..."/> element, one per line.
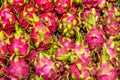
<point x="50" y="19"/>
<point x="27" y="14"/>
<point x="65" y="46"/>
<point x="18" y="70"/>
<point x="95" y="38"/>
<point x="45" y="5"/>
<point x="19" y="44"/>
<point x="79" y="71"/>
<point x="7" y="19"/>
<point x="44" y="67"/>
<point x="41" y="36"/>
<point x="17" y="5"/>
<point x="68" y="25"/>
<point x="111" y="50"/>
<point x="112" y="28"/>
<point x="90" y="3"/>
<point x="105" y="70"/>
<point x="61" y="6"/>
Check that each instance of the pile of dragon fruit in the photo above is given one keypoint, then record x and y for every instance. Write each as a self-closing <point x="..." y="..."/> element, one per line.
<point x="60" y="40"/>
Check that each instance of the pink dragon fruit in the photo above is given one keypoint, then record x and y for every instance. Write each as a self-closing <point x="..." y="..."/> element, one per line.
<point x="112" y="28"/>
<point x="61" y="6"/>
<point x="27" y="14"/>
<point x="50" y="19"/>
<point x="45" y="5"/>
<point x="17" y="4"/>
<point x="68" y="25"/>
<point x="90" y="3"/>
<point x="101" y="4"/>
<point x="44" y="67"/>
<point x="41" y="36"/>
<point x="106" y="71"/>
<point x="7" y="19"/>
<point x="84" y="14"/>
<point x="19" y="46"/>
<point x="18" y="70"/>
<point x="79" y="71"/>
<point x="95" y="38"/>
<point x="66" y="45"/>
<point x="111" y="50"/>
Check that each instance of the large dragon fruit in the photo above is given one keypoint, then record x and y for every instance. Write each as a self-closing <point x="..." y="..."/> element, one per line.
<point x="50" y="20"/>
<point x="19" y="44"/>
<point x="41" y="36"/>
<point x="44" y="67"/>
<point x="18" y="70"/>
<point x="68" y="25"/>
<point x="61" y="6"/>
<point x="106" y="71"/>
<point x="7" y="19"/>
<point x="45" y="5"/>
<point x="95" y="38"/>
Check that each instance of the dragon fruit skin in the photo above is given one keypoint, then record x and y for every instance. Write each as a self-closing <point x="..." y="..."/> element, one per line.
<point x="19" y="47"/>
<point x="18" y="69"/>
<point x="112" y="29"/>
<point x="50" y="20"/>
<point x="68" y="25"/>
<point x="45" y="5"/>
<point x="61" y="6"/>
<point x="44" y="67"/>
<point x="41" y="36"/>
<point x="8" y="19"/>
<point x="95" y="38"/>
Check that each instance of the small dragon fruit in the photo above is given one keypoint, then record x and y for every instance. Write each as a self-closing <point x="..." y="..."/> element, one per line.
<point x="93" y="11"/>
<point x="27" y="14"/>
<point x="61" y="6"/>
<point x="18" y="70"/>
<point x="41" y="36"/>
<point x="112" y="28"/>
<point x="44" y="67"/>
<point x="79" y="71"/>
<point x="90" y="3"/>
<point x="65" y="46"/>
<point x="7" y="19"/>
<point x="45" y="5"/>
<point x="17" y="4"/>
<point x="68" y="25"/>
<point x="50" y="19"/>
<point x="111" y="50"/>
<point x="95" y="38"/>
